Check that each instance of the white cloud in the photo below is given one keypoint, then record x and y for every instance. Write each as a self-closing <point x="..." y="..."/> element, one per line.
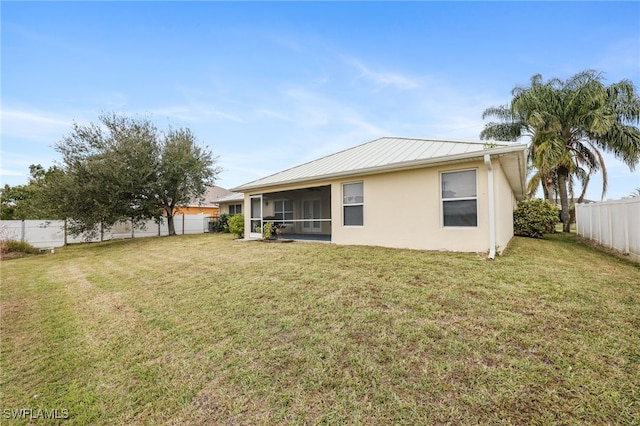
<point x="273" y="114"/>
<point x="33" y="125"/>
<point x="194" y="112"/>
<point x="382" y="79"/>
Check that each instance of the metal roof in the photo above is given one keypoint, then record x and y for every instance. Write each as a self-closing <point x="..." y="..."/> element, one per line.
<point x="384" y="154"/>
<point x="234" y="196"/>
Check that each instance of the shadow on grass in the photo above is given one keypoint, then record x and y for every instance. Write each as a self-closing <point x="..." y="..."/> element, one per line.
<point x="572" y="241"/>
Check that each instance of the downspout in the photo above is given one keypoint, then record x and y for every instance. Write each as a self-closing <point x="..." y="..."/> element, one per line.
<point x="492" y="210"/>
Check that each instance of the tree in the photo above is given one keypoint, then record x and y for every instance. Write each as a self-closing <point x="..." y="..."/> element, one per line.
<point x="570" y="124"/>
<point x="30" y="201"/>
<point x="184" y="169"/>
<point x="126" y="169"/>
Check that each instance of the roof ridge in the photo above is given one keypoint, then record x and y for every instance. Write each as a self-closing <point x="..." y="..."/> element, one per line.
<point x="479" y="142"/>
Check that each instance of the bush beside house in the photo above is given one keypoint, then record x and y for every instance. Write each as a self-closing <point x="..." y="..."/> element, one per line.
<point x="235" y="224"/>
<point x="534" y="217"/>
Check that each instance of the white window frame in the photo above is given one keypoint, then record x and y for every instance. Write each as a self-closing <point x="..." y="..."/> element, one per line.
<point x="284" y="212"/>
<point x="443" y="200"/>
<point x="352" y="204"/>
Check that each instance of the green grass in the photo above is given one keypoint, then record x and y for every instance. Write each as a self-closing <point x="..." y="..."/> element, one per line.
<point x="206" y="330"/>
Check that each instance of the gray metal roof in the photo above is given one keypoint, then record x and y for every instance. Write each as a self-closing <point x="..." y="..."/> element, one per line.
<point x="234" y="196"/>
<point x="384" y="154"/>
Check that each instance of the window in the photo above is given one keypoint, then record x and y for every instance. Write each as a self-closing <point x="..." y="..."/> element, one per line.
<point x="459" y="198"/>
<point x="353" y="204"/>
<point x="283" y="211"/>
<point x="235" y="209"/>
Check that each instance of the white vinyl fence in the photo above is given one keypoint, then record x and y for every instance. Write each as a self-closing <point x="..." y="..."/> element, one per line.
<point x="613" y="224"/>
<point x="52" y="233"/>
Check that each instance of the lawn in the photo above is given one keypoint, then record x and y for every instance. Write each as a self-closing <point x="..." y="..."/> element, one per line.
<point x="206" y="330"/>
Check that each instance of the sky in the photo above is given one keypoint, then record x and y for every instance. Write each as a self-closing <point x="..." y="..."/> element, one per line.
<point x="269" y="85"/>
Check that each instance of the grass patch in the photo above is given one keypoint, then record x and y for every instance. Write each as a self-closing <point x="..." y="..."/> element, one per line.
<point x="205" y="330"/>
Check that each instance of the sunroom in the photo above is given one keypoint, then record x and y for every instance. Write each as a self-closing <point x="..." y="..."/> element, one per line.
<point x="298" y="214"/>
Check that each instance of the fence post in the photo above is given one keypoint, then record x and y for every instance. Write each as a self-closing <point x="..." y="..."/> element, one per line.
<point x="609" y="213"/>
<point x="625" y="223"/>
<point x="600" y="223"/>
<point x="65" y="233"/>
<point x="132" y="236"/>
<point x="182" y="223"/>
<point x="591" y="211"/>
<point x="22" y="231"/>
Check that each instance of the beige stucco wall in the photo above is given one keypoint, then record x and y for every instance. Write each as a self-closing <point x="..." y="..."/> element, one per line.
<point x="505" y="204"/>
<point x="224" y="207"/>
<point x="402" y="209"/>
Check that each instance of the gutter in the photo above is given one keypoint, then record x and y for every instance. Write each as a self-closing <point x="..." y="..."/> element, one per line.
<point x="492" y="210"/>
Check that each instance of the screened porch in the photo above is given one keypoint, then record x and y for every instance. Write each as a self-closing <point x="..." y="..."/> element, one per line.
<point x="301" y="214"/>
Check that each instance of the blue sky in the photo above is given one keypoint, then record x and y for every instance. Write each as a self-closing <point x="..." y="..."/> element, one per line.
<point x="267" y="86"/>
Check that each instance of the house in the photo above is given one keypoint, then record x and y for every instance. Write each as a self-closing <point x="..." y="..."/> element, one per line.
<point x="397" y="192"/>
<point x="231" y="204"/>
<point x="208" y="205"/>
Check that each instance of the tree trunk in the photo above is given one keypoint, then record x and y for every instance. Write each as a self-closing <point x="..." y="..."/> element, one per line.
<point x="550" y="192"/>
<point x="565" y="216"/>
<point x="170" y="224"/>
<point x="580" y="198"/>
<point x="545" y="190"/>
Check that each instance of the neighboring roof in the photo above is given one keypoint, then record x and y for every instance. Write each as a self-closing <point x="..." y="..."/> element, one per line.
<point x="211" y="197"/>
<point x="233" y="197"/>
<point x="391" y="153"/>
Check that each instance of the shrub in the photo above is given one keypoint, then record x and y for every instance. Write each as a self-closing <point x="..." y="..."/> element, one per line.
<point x="267" y="230"/>
<point x="235" y="224"/>
<point x="220" y="225"/>
<point x="534" y="217"/>
<point x="13" y="246"/>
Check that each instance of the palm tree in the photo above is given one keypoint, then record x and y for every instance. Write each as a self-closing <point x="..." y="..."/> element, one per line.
<point x="570" y="124"/>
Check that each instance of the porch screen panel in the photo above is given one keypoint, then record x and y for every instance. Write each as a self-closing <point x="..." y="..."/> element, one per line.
<point x="284" y="211"/>
<point x="316" y="213"/>
<point x="256" y="214"/>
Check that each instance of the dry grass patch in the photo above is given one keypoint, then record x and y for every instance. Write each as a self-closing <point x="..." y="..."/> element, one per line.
<point x="205" y="330"/>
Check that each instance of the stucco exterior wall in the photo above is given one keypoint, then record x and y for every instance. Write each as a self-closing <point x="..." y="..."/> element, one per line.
<point x="224" y="207"/>
<point x="403" y="209"/>
<point x="505" y="204"/>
